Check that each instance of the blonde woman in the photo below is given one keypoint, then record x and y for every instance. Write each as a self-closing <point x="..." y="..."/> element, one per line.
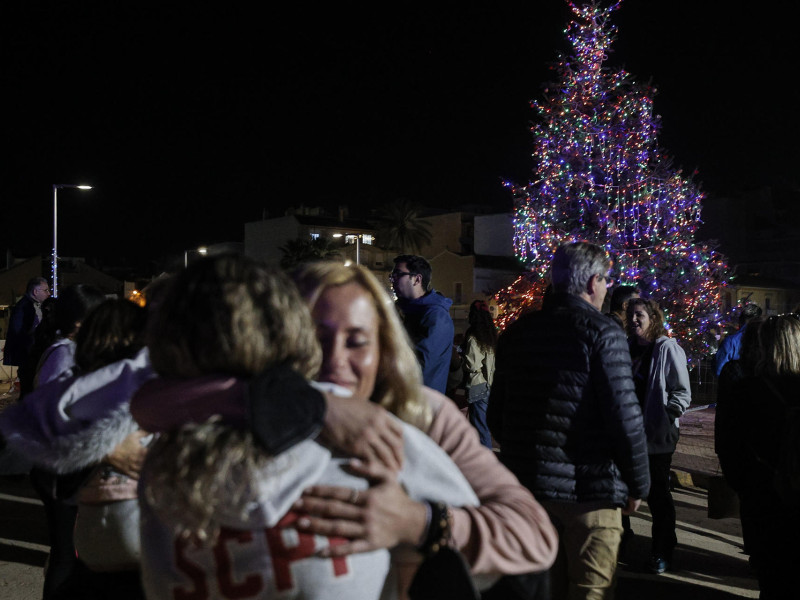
<point x="357" y="326"/>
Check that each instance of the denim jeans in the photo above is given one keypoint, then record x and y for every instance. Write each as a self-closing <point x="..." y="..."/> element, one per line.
<point x="477" y="416"/>
<point x="478" y="398"/>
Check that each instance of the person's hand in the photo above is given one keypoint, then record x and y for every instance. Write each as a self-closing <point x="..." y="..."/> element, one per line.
<point x="364" y="430"/>
<point x="632" y="506"/>
<point x="381" y="516"/>
<point x="128" y="456"/>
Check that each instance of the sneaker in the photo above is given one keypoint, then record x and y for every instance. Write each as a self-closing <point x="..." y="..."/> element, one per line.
<point x="657" y="565"/>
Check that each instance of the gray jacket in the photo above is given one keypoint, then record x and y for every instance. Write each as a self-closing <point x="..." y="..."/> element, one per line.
<point x="668" y="396"/>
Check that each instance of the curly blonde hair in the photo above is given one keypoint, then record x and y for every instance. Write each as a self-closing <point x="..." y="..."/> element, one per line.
<point x="223" y="315"/>
<point x="398" y="387"/>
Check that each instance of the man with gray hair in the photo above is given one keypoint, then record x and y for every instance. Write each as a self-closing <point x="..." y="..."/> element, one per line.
<point x="564" y="410"/>
<point x="25" y="316"/>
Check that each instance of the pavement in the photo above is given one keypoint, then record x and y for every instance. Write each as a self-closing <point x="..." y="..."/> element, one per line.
<point x="708" y="562"/>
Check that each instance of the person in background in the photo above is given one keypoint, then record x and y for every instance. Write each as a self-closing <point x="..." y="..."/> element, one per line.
<point x="730" y="347"/>
<point x="25" y="317"/>
<point x="56" y="491"/>
<point x="619" y="301"/>
<point x="757" y="435"/>
<point x="479" y="344"/>
<point x="564" y="412"/>
<point x="71" y="308"/>
<point x="106" y="533"/>
<point x="661" y="377"/>
<point x="426" y="316"/>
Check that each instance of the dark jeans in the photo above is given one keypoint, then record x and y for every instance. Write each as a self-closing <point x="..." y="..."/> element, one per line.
<point x="60" y="515"/>
<point x="477" y="416"/>
<point x="662" y="508"/>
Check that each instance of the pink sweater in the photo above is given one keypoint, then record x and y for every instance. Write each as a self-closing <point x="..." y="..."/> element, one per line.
<point x="509" y="532"/>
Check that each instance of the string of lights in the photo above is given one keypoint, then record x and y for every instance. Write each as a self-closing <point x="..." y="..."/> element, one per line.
<point x="600" y="176"/>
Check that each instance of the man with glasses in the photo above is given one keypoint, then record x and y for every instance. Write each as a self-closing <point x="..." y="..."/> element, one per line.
<point x="25" y="316"/>
<point x="426" y="316"/>
<point x="564" y="410"/>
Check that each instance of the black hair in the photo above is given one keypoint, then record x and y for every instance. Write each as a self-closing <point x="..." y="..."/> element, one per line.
<point x="73" y="305"/>
<point x="418" y="266"/>
<point x="750" y="311"/>
<point x="113" y="331"/>
<point x="481" y="325"/>
<point x="621" y="295"/>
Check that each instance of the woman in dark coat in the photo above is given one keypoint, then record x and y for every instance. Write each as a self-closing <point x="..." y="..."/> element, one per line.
<point x="758" y="443"/>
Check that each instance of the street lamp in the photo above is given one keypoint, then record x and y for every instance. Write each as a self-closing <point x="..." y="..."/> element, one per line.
<point x="355" y="235"/>
<point x="56" y="187"/>
<point x="201" y="250"/>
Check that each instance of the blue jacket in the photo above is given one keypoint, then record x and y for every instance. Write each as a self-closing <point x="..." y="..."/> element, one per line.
<point x="729" y="349"/>
<point x="430" y="327"/>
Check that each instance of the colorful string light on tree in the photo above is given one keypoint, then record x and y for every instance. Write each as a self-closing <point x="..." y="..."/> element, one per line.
<point x="600" y="176"/>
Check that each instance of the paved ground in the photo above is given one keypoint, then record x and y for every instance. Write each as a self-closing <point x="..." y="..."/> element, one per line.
<point x="709" y="564"/>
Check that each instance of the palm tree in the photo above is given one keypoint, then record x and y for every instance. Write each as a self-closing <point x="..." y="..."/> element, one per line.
<point x="401" y="228"/>
<point x="304" y="249"/>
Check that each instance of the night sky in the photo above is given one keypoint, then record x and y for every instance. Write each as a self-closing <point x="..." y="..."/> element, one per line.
<point x="192" y="120"/>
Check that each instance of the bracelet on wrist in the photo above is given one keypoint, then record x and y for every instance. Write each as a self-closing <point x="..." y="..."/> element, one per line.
<point x="438" y="532"/>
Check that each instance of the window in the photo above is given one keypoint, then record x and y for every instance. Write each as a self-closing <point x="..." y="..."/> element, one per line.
<point x="314" y="236"/>
<point x="458" y="292"/>
<point x="367" y="238"/>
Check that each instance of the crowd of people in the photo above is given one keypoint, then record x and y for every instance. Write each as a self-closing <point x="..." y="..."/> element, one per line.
<point x="255" y="433"/>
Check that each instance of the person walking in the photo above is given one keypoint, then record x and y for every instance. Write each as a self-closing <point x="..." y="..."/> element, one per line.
<point x="565" y="414"/>
<point x="661" y="377"/>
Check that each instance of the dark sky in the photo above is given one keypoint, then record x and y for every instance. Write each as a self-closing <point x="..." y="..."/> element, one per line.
<point x="192" y="120"/>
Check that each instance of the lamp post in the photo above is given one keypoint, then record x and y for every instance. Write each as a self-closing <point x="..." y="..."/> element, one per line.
<point x="355" y="235"/>
<point x="201" y="250"/>
<point x="56" y="187"/>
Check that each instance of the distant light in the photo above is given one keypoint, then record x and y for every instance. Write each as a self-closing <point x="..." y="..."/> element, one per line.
<point x="84" y="187"/>
<point x="202" y="250"/>
<point x="337" y="235"/>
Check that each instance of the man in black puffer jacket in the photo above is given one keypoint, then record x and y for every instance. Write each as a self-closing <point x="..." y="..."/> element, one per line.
<point x="564" y="411"/>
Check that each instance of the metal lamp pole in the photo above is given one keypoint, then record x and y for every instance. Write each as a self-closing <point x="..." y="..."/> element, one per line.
<point x="56" y="187"/>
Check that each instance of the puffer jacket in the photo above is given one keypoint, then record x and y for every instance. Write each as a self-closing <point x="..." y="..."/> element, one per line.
<point x="564" y="409"/>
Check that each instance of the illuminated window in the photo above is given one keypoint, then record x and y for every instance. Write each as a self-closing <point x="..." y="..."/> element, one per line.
<point x="367" y="238"/>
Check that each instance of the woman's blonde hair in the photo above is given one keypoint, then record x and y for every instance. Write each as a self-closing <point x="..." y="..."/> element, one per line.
<point x="398" y="386"/>
<point x="771" y="345"/>
<point x="223" y="315"/>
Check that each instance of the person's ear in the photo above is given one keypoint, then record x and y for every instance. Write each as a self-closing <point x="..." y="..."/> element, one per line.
<point x="591" y="285"/>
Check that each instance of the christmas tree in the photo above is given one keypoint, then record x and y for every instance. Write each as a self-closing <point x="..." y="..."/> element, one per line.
<point x="601" y="177"/>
